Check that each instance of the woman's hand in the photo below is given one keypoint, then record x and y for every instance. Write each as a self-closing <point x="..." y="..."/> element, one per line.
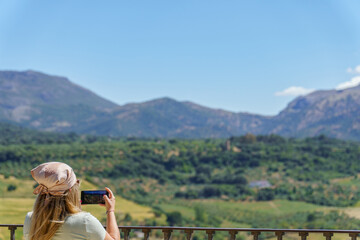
<point x="111" y="225"/>
<point x="109" y="201"/>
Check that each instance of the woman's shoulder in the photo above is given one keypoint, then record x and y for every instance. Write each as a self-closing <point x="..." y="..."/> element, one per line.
<point x="26" y="228"/>
<point x="79" y="214"/>
<point x="80" y="217"/>
<point x="28" y="217"/>
<point x="75" y="221"/>
<point x="85" y="223"/>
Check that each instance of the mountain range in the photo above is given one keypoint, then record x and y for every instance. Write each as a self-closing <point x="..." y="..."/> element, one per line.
<point x="52" y="103"/>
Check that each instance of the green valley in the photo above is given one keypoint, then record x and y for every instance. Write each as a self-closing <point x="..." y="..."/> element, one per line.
<point x="312" y="182"/>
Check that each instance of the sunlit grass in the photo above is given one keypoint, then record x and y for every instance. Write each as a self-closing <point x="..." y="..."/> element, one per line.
<point x="271" y="207"/>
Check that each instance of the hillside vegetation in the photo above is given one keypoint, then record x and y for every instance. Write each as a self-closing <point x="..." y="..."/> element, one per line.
<point x="207" y="182"/>
<point x="297" y="169"/>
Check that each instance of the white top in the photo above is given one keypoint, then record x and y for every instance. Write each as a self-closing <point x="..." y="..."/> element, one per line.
<point x="82" y="225"/>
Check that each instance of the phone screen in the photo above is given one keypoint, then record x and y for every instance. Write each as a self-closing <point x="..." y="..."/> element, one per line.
<point x="93" y="197"/>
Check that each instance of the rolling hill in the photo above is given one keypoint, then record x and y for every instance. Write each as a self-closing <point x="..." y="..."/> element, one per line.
<point x="47" y="102"/>
<point x="333" y="113"/>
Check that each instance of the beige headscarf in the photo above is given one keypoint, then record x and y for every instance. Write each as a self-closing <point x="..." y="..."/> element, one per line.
<point x="53" y="177"/>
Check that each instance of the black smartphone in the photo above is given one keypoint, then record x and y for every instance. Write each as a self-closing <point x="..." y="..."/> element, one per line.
<point x="93" y="197"/>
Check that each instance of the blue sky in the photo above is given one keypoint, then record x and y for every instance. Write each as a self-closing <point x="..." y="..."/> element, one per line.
<point x="243" y="56"/>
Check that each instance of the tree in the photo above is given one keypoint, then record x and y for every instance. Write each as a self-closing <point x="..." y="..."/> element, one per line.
<point x="211" y="192"/>
<point x="265" y="194"/>
<point x="11" y="188"/>
<point x="174" y="218"/>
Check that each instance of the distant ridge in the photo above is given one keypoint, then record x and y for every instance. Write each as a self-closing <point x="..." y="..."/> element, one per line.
<point x="166" y="117"/>
<point x="40" y="101"/>
<point x="46" y="102"/>
<point x="333" y="113"/>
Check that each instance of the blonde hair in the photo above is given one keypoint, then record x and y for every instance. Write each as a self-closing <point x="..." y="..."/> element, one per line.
<point x="50" y="211"/>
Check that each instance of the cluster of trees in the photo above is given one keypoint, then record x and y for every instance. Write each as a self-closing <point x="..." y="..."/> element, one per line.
<point x="212" y="167"/>
<point x="13" y="134"/>
<point x="326" y="194"/>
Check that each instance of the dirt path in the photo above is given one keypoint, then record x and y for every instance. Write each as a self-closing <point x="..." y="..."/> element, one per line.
<point x="273" y="205"/>
<point x="352" y="212"/>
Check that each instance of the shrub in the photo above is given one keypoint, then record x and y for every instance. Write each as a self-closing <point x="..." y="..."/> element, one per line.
<point x="11" y="187"/>
<point x="211" y="192"/>
<point x="265" y="194"/>
<point x="174" y="218"/>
